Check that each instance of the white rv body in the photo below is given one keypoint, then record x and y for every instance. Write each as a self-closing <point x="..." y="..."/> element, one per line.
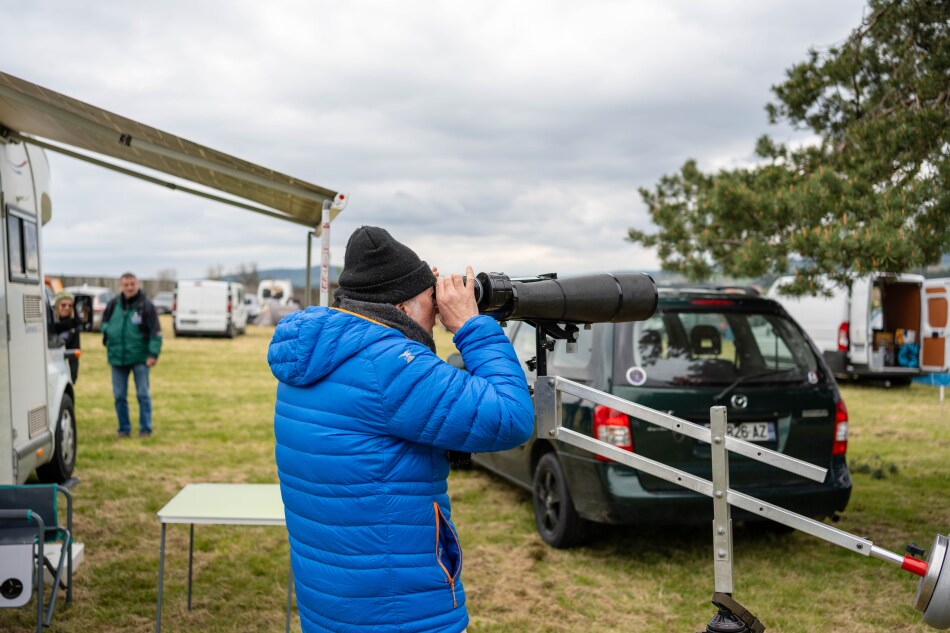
<point x="862" y="329"/>
<point x="205" y="307"/>
<point x="36" y="429"/>
<point x="280" y="291"/>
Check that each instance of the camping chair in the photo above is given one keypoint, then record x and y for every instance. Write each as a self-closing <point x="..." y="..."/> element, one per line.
<point x="28" y="520"/>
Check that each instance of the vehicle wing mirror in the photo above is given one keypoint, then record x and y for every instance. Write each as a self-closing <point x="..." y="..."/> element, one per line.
<point x="82" y="304"/>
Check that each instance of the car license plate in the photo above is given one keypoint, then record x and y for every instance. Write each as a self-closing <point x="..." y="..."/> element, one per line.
<point x="751" y="431"/>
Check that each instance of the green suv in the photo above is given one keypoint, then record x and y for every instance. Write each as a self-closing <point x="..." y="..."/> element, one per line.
<point x="700" y="349"/>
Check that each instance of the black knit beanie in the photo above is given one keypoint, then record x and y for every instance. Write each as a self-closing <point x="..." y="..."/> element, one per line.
<point x="378" y="269"/>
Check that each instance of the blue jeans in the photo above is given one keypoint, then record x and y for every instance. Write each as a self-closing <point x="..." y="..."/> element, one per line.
<point x="120" y="390"/>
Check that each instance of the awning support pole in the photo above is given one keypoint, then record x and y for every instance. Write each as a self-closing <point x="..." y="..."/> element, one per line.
<point x="324" y="255"/>
<point x="308" y="296"/>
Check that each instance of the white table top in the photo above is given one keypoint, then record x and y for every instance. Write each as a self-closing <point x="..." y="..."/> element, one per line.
<point x="236" y="504"/>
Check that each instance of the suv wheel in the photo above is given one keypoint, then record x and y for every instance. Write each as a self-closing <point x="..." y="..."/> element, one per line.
<point x="558" y="522"/>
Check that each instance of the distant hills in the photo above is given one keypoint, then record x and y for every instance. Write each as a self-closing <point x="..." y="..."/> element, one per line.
<point x="297" y="276"/>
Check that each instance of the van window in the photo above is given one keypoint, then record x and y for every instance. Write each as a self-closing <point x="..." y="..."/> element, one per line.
<point x="525" y="348"/>
<point x="560" y="362"/>
<point x="675" y="348"/>
<point x="573" y="364"/>
<point x="23" y="251"/>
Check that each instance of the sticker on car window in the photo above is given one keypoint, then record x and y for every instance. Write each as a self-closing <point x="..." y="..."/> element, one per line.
<point x="636" y="376"/>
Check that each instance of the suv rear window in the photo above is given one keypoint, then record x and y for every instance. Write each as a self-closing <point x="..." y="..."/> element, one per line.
<point x="688" y="347"/>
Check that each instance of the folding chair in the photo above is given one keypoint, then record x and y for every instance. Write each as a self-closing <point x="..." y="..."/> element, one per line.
<point x="28" y="520"/>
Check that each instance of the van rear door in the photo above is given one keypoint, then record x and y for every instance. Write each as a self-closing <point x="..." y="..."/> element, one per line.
<point x="860" y="317"/>
<point x="934" y="352"/>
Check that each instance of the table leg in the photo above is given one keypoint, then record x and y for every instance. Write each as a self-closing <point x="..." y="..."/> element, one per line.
<point x="161" y="578"/>
<point x="191" y="554"/>
<point x="290" y="593"/>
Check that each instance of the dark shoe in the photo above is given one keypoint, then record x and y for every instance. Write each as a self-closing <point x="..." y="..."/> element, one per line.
<point x="122" y="434"/>
<point x="145" y="434"/>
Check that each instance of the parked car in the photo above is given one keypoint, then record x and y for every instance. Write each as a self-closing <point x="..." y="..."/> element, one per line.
<point x="253" y="307"/>
<point x="700" y="349"/>
<point x="101" y="297"/>
<point x="164" y="302"/>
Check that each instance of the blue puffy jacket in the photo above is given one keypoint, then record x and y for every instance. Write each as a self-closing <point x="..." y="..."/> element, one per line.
<point x="363" y="419"/>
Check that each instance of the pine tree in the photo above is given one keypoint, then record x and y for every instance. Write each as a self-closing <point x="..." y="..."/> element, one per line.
<point x="872" y="195"/>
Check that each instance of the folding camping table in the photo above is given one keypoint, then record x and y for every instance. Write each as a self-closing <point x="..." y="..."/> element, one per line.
<point x="220" y="504"/>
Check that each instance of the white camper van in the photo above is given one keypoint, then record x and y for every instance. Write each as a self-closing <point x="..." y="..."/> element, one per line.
<point x="891" y="327"/>
<point x="280" y="291"/>
<point x="205" y="307"/>
<point x="37" y="416"/>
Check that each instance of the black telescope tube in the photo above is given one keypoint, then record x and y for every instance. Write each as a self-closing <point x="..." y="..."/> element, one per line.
<point x="598" y="298"/>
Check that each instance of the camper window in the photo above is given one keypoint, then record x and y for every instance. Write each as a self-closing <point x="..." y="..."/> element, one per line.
<point x="22" y="247"/>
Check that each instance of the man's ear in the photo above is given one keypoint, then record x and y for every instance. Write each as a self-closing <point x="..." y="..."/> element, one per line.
<point x="402" y="307"/>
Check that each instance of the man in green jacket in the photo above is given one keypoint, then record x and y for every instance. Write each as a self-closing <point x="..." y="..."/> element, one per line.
<point x="133" y="337"/>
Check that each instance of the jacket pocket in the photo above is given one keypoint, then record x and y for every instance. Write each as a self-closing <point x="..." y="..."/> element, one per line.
<point x="448" y="550"/>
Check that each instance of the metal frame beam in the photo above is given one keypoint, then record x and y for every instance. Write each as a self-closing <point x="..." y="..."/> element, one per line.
<point x="17" y="136"/>
<point x="146" y="146"/>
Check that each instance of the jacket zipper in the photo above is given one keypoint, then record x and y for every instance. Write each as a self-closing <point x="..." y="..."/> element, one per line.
<point x="438" y="527"/>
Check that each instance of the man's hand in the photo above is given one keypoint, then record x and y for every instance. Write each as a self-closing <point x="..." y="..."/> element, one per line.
<point x="150" y="361"/>
<point x="456" y="301"/>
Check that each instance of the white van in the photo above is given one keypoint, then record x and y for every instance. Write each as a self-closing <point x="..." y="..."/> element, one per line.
<point x="207" y="307"/>
<point x="886" y="326"/>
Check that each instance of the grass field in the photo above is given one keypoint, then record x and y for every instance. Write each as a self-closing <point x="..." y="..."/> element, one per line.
<point x="213" y="407"/>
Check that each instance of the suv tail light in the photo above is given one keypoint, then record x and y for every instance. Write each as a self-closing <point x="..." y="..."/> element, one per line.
<point x="840" y="444"/>
<point x="613" y="427"/>
<point x="844" y="336"/>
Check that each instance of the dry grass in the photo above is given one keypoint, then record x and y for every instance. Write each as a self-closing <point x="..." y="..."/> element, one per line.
<point x="213" y="412"/>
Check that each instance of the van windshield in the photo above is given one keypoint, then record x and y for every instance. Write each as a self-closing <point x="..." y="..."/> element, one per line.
<point x="682" y="347"/>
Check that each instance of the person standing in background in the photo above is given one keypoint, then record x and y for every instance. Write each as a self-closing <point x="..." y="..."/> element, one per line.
<point x="67" y="326"/>
<point x="133" y="337"/>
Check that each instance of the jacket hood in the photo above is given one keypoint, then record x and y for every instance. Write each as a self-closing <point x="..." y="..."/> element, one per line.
<point x="308" y="345"/>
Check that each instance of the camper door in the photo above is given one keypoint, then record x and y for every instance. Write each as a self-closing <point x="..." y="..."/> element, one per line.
<point x="934" y="352"/>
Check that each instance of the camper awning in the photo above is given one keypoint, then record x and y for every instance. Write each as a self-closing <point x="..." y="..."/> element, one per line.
<point x="32" y="113"/>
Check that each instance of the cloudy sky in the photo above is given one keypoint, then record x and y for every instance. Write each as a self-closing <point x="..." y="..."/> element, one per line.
<point x="509" y="135"/>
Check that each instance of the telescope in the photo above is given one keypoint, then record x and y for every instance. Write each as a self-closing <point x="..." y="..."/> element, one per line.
<point x="597" y="298"/>
<point x="556" y="307"/>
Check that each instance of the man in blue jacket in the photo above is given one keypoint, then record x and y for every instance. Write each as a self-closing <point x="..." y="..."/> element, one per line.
<point x="365" y="415"/>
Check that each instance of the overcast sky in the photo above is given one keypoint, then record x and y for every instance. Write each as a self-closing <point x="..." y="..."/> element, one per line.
<point x="509" y="135"/>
